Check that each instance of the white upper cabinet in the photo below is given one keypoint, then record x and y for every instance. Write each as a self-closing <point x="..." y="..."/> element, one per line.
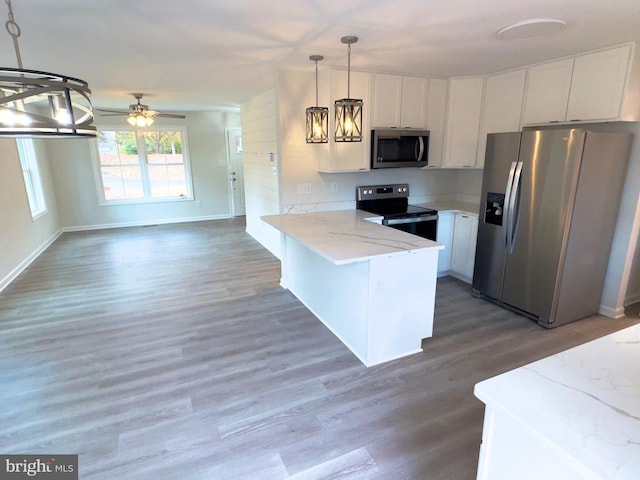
<point x="436" y="116"/>
<point x="598" y="84"/>
<point x="583" y="88"/>
<point x="387" y="100"/>
<point x="349" y="156"/>
<point x="503" y="96"/>
<point x="463" y="122"/>
<point x="415" y="92"/>
<point x="400" y="101"/>
<point x="548" y="92"/>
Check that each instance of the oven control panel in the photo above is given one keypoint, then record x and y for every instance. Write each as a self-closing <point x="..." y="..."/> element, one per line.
<point x="376" y="192"/>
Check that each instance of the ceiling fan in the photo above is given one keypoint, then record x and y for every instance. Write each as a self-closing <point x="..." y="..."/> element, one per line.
<point x="139" y="115"/>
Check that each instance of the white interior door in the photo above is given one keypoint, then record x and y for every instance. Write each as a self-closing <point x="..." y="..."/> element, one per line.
<point x="235" y="169"/>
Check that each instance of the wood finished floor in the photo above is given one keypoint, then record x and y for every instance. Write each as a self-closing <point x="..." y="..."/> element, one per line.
<point x="171" y="352"/>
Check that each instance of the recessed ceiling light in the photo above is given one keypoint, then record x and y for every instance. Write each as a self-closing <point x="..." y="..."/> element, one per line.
<point x="534" y="27"/>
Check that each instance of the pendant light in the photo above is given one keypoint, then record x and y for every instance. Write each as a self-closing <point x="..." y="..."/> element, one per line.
<point x="348" y="111"/>
<point x="42" y="104"/>
<point x="317" y="117"/>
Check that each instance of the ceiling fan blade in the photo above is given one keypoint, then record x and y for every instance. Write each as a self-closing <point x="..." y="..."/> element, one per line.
<point x="112" y="114"/>
<point x="169" y="115"/>
<point x="111" y="111"/>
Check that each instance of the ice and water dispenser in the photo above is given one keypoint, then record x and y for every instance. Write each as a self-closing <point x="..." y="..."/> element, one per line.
<point x="494" y="208"/>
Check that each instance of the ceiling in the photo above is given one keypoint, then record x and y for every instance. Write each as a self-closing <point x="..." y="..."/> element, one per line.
<point x="214" y="54"/>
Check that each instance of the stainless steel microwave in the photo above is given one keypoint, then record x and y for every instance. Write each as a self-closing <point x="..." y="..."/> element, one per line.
<point x="399" y="147"/>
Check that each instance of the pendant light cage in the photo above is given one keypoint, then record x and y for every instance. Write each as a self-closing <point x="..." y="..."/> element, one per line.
<point x="42" y="104"/>
<point x="348" y="120"/>
<point x="317" y="117"/>
<point x="348" y="111"/>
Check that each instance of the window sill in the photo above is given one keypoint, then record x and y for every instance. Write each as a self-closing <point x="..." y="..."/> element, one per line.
<point x="143" y="201"/>
<point x="37" y="215"/>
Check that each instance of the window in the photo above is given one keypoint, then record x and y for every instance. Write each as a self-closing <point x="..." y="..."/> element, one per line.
<point x="31" y="174"/>
<point x="144" y="165"/>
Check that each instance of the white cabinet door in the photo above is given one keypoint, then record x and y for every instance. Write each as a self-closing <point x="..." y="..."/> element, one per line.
<point x="387" y="101"/>
<point x="413" y="112"/>
<point x="463" y="252"/>
<point x="349" y="156"/>
<point x="547" y="92"/>
<point x="400" y="101"/>
<point x="463" y="122"/>
<point x="598" y="84"/>
<point x="436" y="115"/>
<point x="445" y="237"/>
<point x="502" y="110"/>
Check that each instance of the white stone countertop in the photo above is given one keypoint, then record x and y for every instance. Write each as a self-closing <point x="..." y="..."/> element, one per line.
<point x="585" y="401"/>
<point x="451" y="206"/>
<point x="345" y="236"/>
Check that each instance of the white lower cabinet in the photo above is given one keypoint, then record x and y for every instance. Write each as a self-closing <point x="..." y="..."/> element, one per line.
<point x="457" y="231"/>
<point x="445" y="237"/>
<point x="463" y="250"/>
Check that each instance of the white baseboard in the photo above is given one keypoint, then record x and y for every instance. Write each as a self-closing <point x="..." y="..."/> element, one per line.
<point x="632" y="298"/>
<point x="611" y="312"/>
<point x="28" y="261"/>
<point x="464" y="278"/>
<point x="145" y="223"/>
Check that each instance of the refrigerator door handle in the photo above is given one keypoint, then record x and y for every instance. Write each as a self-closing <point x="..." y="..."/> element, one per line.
<point x="512" y="219"/>
<point x="506" y="230"/>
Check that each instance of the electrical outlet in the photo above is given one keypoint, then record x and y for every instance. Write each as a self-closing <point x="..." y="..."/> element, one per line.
<point x="333" y="186"/>
<point x="304" y="188"/>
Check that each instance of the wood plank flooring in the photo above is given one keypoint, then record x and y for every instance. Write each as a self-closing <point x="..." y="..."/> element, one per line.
<point x="171" y="352"/>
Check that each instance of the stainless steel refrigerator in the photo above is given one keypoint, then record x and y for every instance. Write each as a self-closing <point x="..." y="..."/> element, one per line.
<point x="550" y="199"/>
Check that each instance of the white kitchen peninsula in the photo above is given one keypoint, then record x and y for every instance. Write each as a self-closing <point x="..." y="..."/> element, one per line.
<point x="574" y="415"/>
<point x="371" y="285"/>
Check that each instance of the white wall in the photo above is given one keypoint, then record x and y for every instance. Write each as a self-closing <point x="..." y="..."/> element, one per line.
<point x="261" y="170"/>
<point x="21" y="238"/>
<point x="625" y="239"/>
<point x="74" y="176"/>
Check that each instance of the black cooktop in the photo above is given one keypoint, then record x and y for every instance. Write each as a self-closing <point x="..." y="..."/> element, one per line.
<point x="394" y="208"/>
<point x="391" y="201"/>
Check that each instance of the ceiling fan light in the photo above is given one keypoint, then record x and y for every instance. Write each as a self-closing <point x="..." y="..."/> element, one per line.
<point x="132" y="120"/>
<point x="148" y="121"/>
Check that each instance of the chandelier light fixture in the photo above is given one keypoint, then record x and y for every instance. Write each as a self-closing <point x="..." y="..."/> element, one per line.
<point x="348" y="111"/>
<point x="42" y="104"/>
<point x="317" y="117"/>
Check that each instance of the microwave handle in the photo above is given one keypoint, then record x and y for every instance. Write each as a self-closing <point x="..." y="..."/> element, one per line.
<point x="419" y="149"/>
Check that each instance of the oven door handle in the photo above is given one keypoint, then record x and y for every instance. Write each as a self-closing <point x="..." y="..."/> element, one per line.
<point x="400" y="221"/>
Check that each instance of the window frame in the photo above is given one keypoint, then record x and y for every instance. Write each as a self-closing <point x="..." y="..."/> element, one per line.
<point x="31" y="177"/>
<point x="144" y="165"/>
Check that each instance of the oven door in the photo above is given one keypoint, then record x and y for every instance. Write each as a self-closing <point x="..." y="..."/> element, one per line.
<point x="425" y="227"/>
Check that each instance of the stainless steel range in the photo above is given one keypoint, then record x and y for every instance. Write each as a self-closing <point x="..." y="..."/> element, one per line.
<point x="392" y="203"/>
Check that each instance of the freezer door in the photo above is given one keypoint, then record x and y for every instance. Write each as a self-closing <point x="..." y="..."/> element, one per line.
<point x="543" y="201"/>
<point x="500" y="159"/>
